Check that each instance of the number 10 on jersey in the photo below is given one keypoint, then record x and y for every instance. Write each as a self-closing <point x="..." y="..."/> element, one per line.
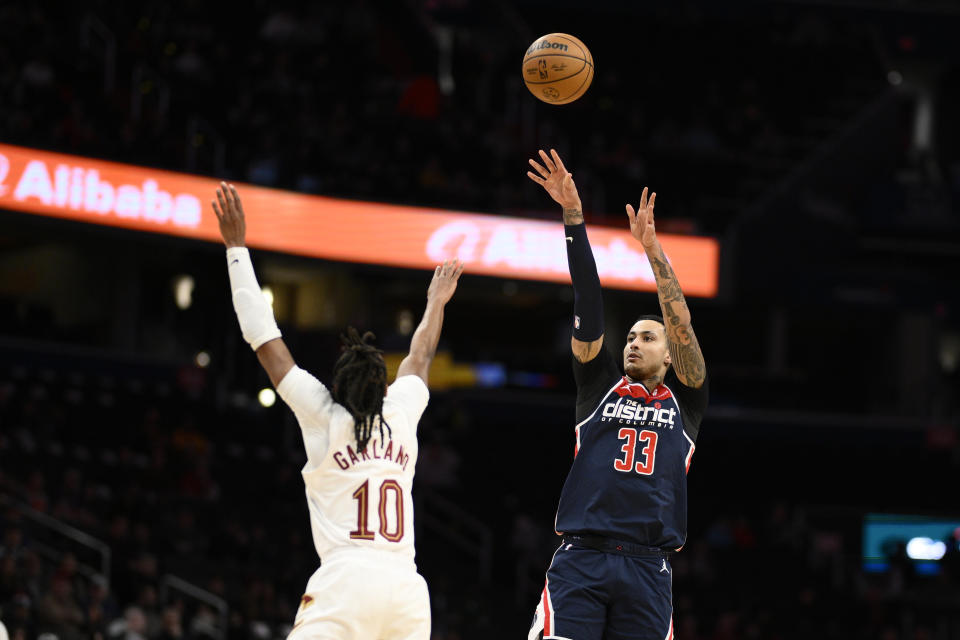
<point x="361" y="495"/>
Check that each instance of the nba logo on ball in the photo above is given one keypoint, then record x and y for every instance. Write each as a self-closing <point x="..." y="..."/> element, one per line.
<point x="557" y="68"/>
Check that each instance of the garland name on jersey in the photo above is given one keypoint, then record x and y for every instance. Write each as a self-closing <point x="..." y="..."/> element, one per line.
<point x="347" y="457"/>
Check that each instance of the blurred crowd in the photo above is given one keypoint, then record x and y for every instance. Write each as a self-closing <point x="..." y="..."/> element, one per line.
<point x="148" y="493"/>
<point x="421" y="102"/>
<point x="222" y="508"/>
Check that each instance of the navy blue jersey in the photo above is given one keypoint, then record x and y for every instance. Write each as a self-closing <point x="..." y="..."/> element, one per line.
<point x="628" y="480"/>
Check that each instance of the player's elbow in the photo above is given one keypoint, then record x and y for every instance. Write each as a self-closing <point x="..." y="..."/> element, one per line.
<point x="415" y="364"/>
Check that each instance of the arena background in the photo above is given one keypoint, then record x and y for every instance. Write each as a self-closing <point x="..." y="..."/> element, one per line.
<point x="145" y="492"/>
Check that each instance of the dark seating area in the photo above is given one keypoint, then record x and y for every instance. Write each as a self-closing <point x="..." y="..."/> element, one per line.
<point x="343" y="98"/>
<point x="214" y="498"/>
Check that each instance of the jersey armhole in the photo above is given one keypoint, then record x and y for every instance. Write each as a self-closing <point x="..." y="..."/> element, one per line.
<point x="692" y="403"/>
<point x="593" y="380"/>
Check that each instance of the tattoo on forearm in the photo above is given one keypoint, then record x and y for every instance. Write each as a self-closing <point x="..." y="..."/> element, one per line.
<point x="684" y="348"/>
<point x="572" y="216"/>
<point x="687" y="358"/>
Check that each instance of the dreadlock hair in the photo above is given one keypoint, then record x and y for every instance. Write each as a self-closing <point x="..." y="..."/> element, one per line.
<point x="359" y="383"/>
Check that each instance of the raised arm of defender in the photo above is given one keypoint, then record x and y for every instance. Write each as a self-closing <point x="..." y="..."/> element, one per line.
<point x="587" y="337"/>
<point x="423" y="345"/>
<point x="257" y="324"/>
<point x="259" y="327"/>
<point x="685" y="354"/>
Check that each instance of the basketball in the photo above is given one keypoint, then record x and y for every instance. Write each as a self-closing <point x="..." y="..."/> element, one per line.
<point x="557" y="68"/>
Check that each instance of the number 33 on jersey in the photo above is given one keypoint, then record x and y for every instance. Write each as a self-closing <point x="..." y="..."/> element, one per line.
<point x="633" y="450"/>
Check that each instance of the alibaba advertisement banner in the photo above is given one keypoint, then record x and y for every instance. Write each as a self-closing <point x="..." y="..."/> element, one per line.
<point x="109" y="193"/>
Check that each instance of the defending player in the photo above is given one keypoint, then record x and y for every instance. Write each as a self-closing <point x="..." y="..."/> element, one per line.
<point x="361" y="443"/>
<point x="623" y="508"/>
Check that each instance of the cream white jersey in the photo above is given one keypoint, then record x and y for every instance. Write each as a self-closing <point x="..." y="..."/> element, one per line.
<point x="357" y="498"/>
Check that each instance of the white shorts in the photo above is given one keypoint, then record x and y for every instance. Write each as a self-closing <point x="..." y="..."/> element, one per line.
<point x="358" y="594"/>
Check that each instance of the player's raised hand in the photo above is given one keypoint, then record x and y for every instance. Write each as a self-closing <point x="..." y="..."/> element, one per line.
<point x="641" y="221"/>
<point x="229" y="211"/>
<point x="444" y="281"/>
<point x="554" y="177"/>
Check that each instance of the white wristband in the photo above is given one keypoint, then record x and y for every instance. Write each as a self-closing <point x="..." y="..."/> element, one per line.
<point x="257" y="323"/>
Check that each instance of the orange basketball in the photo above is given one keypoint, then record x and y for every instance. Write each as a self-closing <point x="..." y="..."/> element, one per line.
<point x="557" y="68"/>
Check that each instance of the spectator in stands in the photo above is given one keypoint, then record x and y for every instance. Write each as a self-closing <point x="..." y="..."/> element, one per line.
<point x="147" y="602"/>
<point x="172" y="624"/>
<point x="203" y="626"/>
<point x="132" y="626"/>
<point x="59" y="612"/>
<point x="67" y="571"/>
<point x="12" y="544"/>
<point x="99" y="608"/>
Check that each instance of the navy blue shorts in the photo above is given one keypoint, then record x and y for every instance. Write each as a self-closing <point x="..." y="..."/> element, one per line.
<point x="605" y="595"/>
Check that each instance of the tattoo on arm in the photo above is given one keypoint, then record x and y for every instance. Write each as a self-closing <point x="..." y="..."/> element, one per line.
<point x="572" y="216"/>
<point x="684" y="348"/>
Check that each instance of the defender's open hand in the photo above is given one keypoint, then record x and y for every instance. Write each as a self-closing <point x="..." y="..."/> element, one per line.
<point x="444" y="281"/>
<point x="233" y="226"/>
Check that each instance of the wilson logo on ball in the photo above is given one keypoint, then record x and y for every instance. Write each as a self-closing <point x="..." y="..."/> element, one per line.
<point x="561" y="62"/>
<point x="546" y="44"/>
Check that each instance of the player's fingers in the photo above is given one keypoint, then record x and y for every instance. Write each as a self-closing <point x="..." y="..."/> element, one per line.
<point x="221" y="198"/>
<point x="643" y="199"/>
<point x="216" y="210"/>
<point x="557" y="160"/>
<point x="631" y="214"/>
<point x="548" y="163"/>
<point x="653" y="197"/>
<point x="539" y="168"/>
<point x="236" y="198"/>
<point x="536" y="178"/>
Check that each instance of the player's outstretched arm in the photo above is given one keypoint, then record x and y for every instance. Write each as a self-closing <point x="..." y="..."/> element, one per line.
<point x="257" y="323"/>
<point x="587" y="337"/>
<point x="685" y="351"/>
<point x="423" y="345"/>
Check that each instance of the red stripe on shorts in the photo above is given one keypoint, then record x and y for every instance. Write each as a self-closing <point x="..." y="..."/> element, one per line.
<point x="546" y="609"/>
